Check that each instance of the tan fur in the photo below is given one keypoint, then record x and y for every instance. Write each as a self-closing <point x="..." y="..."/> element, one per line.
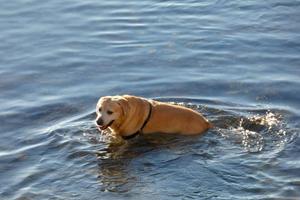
<point x="130" y="112"/>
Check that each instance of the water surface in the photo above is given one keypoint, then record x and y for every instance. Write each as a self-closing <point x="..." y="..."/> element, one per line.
<point x="237" y="62"/>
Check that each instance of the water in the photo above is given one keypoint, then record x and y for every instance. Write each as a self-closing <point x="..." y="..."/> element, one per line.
<point x="237" y="62"/>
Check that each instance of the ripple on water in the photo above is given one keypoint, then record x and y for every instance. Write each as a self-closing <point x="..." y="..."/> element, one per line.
<point x="73" y="154"/>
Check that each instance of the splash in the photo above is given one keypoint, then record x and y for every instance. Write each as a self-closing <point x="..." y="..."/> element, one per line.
<point x="273" y="122"/>
<point x="252" y="141"/>
<point x="257" y="132"/>
<point x="270" y="119"/>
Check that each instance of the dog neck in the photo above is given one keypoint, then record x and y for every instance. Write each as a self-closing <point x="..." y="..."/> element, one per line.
<point x="127" y="137"/>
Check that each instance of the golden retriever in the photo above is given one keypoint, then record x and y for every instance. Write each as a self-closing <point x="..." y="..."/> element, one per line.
<point x="127" y="116"/>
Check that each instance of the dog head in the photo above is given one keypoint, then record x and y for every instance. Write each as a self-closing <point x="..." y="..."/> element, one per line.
<point x="110" y="111"/>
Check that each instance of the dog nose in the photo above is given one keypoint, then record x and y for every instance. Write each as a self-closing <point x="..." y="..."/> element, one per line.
<point x="99" y="121"/>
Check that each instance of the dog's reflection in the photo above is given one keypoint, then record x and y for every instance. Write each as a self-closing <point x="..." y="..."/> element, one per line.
<point x="119" y="168"/>
<point x="116" y="170"/>
<point x="115" y="175"/>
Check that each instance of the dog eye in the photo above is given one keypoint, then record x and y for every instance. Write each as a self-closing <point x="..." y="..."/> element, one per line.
<point x="109" y="112"/>
<point x="100" y="109"/>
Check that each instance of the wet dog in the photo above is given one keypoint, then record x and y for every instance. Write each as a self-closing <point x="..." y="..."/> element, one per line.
<point x="128" y="116"/>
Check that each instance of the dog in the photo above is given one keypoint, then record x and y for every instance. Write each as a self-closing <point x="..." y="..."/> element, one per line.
<point x="128" y="116"/>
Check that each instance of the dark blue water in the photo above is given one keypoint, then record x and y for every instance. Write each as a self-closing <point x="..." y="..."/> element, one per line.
<point x="237" y="62"/>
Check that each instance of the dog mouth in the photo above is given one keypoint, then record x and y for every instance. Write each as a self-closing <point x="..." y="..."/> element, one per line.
<point x="106" y="126"/>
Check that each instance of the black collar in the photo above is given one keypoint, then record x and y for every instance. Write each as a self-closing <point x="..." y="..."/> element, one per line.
<point x="127" y="137"/>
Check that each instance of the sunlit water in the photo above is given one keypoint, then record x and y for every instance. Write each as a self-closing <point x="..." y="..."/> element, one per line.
<point x="237" y="62"/>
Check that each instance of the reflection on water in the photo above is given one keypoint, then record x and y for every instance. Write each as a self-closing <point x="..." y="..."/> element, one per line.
<point x="115" y="176"/>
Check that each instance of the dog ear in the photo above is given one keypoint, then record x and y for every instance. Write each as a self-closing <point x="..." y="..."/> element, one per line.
<point x="124" y="104"/>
